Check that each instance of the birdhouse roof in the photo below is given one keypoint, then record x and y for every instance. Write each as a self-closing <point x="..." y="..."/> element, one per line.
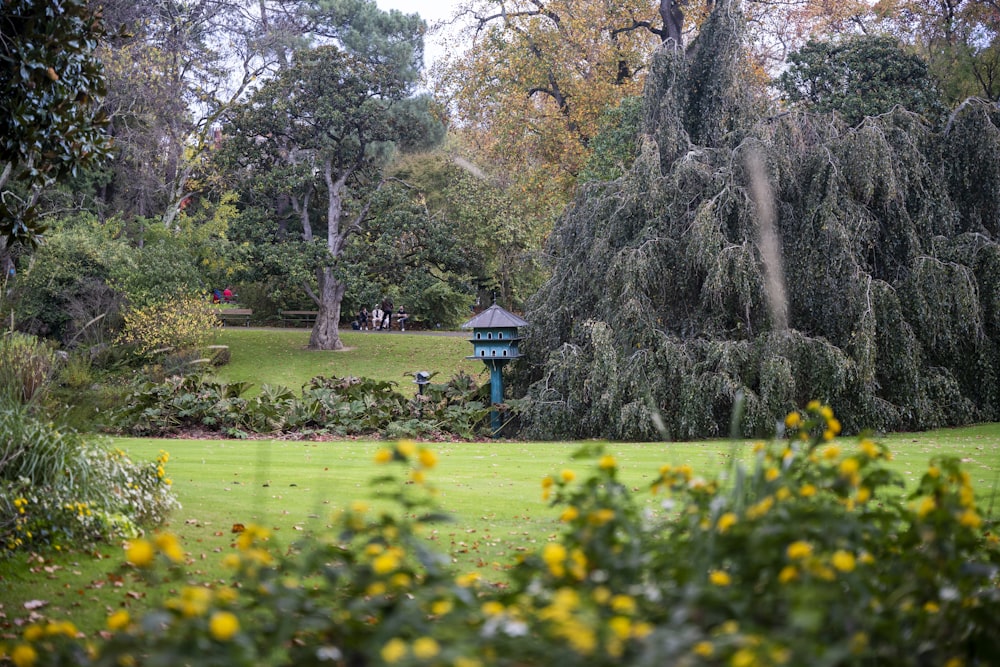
<point x="494" y="317"/>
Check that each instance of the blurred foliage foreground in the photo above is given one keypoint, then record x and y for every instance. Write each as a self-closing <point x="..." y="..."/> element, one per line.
<point x="813" y="556"/>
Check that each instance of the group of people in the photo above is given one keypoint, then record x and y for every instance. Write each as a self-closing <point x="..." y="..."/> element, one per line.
<point x="225" y="296"/>
<point x="380" y="317"/>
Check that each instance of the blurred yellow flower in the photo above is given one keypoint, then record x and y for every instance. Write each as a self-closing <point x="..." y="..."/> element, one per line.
<point x="118" y="620"/>
<point x="223" y="626"/>
<point x="793" y="420"/>
<point x="428" y="458"/>
<point x="23" y="656"/>
<point x="704" y="649"/>
<point x="426" y="648"/>
<point x="719" y="578"/>
<point x="567" y="475"/>
<point x="170" y="546"/>
<point x="843" y="560"/>
<point x="607" y="462"/>
<point x="139" y="553"/>
<point x="406" y="447"/>
<point x="383" y="456"/>
<point x="394" y="650"/>
<point x="726" y="521"/>
<point x="799" y="550"/>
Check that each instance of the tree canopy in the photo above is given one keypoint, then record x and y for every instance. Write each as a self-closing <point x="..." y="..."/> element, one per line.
<point x="659" y="318"/>
<point x="316" y="137"/>
<point x="50" y="85"/>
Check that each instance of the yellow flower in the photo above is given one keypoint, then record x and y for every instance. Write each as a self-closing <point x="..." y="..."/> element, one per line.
<point x="831" y="452"/>
<point x="428" y="458"/>
<point x="406" y="448"/>
<point x="807" y="490"/>
<point x="170" y="546"/>
<point x="441" y="607"/>
<point x="849" y="466"/>
<point x="799" y="550"/>
<point x="970" y="519"/>
<point x="383" y="456"/>
<point x="931" y="607"/>
<point x="23" y="656"/>
<point x="623" y="604"/>
<point x="793" y="420"/>
<point x="864" y="494"/>
<point x="744" y="658"/>
<point x="705" y="649"/>
<point x="426" y="648"/>
<point x="394" y="650"/>
<point x="554" y="555"/>
<point x="567" y="475"/>
<point x="788" y="573"/>
<point x="118" y="620"/>
<point x="223" y="626"/>
<point x="33" y="633"/>
<point x="926" y="506"/>
<point x="843" y="560"/>
<point x="833" y="424"/>
<point x="569" y="514"/>
<point x="868" y="448"/>
<point x="771" y="474"/>
<point x="493" y="608"/>
<point x="719" y="578"/>
<point x="726" y="521"/>
<point x="955" y="662"/>
<point x="607" y="462"/>
<point x="385" y="563"/>
<point x="139" y="553"/>
<point x="621" y="626"/>
<point x="601" y="516"/>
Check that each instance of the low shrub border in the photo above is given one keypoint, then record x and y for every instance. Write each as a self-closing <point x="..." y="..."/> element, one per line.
<point x="810" y="556"/>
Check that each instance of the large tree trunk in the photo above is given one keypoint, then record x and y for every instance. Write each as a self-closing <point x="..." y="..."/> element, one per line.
<point x="326" y="334"/>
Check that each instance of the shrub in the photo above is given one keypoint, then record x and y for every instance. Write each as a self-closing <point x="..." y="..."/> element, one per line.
<point x="812" y="556"/>
<point x="179" y="323"/>
<point x="59" y="488"/>
<point x="27" y="366"/>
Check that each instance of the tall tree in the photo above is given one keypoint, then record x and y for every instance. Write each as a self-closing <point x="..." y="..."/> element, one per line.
<point x="50" y="83"/>
<point x="661" y="312"/>
<point x="318" y="136"/>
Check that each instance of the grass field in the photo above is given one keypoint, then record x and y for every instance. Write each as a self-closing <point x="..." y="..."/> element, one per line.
<point x="280" y="357"/>
<point x="492" y="488"/>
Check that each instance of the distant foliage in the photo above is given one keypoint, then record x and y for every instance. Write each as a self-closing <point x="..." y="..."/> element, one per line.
<point x="858" y="77"/>
<point x="810" y="555"/>
<point x="656" y="321"/>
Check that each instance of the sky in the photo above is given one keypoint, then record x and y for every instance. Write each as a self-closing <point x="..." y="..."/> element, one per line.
<point x="430" y="11"/>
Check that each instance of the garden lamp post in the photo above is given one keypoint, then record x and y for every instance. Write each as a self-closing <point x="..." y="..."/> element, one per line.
<point x="494" y="342"/>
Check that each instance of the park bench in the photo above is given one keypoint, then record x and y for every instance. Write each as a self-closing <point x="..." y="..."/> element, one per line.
<point x="235" y="316"/>
<point x="298" y="317"/>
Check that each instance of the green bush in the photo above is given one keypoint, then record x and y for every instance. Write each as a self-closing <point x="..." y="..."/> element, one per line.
<point x="27" y="367"/>
<point x="59" y="488"/>
<point x="811" y="556"/>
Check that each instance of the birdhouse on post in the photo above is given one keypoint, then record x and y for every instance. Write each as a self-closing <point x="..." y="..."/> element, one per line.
<point x="494" y="342"/>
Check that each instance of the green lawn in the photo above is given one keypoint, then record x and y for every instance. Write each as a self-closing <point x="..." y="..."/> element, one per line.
<point x="492" y="489"/>
<point x="280" y="357"/>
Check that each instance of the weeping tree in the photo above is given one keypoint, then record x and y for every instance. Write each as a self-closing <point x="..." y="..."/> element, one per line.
<point x="762" y="261"/>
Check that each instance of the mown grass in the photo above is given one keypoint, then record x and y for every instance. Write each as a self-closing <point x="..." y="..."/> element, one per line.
<point x="280" y="357"/>
<point x="492" y="489"/>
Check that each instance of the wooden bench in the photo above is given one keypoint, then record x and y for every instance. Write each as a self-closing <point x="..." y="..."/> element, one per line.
<point x="235" y="316"/>
<point x="298" y="317"/>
